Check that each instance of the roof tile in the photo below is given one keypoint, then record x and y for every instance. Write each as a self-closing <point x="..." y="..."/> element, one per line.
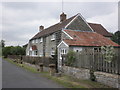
<point x="100" y="29"/>
<point x="88" y="39"/>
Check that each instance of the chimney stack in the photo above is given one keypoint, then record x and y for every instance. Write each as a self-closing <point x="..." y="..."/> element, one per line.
<point x="62" y="17"/>
<point x="41" y="28"/>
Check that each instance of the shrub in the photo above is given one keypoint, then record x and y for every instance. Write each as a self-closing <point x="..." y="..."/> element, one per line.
<point x="70" y="58"/>
<point x="108" y="52"/>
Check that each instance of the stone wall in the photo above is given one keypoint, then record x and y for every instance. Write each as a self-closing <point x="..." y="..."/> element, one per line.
<point x="76" y="72"/>
<point x="108" y="79"/>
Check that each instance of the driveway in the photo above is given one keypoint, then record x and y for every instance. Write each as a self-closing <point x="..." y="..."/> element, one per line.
<point x="16" y="77"/>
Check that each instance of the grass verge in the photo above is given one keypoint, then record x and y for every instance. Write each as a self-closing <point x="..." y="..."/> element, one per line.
<point x="66" y="81"/>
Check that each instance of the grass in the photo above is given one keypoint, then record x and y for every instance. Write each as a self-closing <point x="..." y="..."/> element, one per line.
<point x="64" y="80"/>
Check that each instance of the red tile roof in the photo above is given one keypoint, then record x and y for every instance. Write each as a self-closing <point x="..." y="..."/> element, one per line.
<point x="34" y="47"/>
<point x="87" y="39"/>
<point x="100" y="29"/>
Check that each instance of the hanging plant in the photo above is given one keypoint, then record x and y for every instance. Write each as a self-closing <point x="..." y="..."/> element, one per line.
<point x="108" y="52"/>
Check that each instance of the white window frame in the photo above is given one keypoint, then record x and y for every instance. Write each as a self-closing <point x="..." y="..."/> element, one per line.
<point x="36" y="40"/>
<point x="35" y="52"/>
<point x="41" y="40"/>
<point x="33" y="41"/>
<point x="53" y="37"/>
<point x="62" y="51"/>
<point x="28" y="53"/>
<point x="52" y="52"/>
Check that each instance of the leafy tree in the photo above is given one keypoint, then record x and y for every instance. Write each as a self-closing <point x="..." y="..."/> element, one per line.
<point x="108" y="52"/>
<point x="10" y="50"/>
<point x="116" y="37"/>
<point x="2" y="43"/>
<point x="6" y="51"/>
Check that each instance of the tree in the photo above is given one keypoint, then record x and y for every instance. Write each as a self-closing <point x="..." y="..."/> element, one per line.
<point x="13" y="50"/>
<point x="6" y="51"/>
<point x="2" y="43"/>
<point x="116" y="37"/>
<point x="108" y="52"/>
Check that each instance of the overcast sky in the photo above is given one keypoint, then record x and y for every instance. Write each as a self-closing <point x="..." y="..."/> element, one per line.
<point x="20" y="20"/>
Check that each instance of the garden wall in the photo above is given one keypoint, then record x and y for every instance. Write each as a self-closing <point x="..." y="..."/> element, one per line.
<point x="108" y="79"/>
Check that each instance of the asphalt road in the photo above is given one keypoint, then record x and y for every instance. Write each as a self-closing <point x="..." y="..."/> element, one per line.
<point x="16" y="77"/>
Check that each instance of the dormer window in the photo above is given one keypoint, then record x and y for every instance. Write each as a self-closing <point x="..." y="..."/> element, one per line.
<point x="53" y="37"/>
<point x="41" y="39"/>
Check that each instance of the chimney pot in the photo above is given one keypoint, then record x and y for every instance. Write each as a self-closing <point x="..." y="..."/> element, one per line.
<point x="62" y="17"/>
<point x="41" y="28"/>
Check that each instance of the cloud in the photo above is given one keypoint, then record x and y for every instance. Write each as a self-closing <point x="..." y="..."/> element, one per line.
<point x="109" y="21"/>
<point x="21" y="20"/>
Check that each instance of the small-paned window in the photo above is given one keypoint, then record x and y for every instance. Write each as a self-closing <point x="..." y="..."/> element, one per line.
<point x="36" y="40"/>
<point x="33" y="41"/>
<point x="41" y="39"/>
<point x="35" y="53"/>
<point x="53" y="37"/>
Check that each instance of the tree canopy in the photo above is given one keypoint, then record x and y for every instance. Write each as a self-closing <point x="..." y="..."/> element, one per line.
<point x="13" y="50"/>
<point x="116" y="37"/>
<point x="2" y="43"/>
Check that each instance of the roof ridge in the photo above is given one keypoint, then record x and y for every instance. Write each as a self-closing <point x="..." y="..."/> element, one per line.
<point x="93" y="23"/>
<point x="60" y="22"/>
<point x="56" y="26"/>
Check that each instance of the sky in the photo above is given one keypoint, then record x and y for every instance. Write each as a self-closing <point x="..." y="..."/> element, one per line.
<point x="21" y="20"/>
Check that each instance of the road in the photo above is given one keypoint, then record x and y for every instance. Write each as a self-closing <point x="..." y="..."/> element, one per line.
<point x="16" y="77"/>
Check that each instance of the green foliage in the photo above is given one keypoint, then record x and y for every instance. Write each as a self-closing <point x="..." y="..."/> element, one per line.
<point x="10" y="50"/>
<point x="2" y="43"/>
<point x="116" y="37"/>
<point x="108" y="52"/>
<point x="70" y="58"/>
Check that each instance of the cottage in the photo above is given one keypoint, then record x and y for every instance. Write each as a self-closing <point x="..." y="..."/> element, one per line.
<point x="45" y="42"/>
<point x="79" y="41"/>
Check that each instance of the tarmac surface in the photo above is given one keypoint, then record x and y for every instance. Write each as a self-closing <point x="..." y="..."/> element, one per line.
<point x="17" y="77"/>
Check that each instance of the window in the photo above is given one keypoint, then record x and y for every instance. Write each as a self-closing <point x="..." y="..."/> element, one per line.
<point x="63" y="51"/>
<point x="35" y="52"/>
<point x="33" y="41"/>
<point x="77" y="50"/>
<point x="36" y="40"/>
<point x="52" y="52"/>
<point x="41" y="39"/>
<point x="53" y="37"/>
<point x="27" y="52"/>
<point x="97" y="49"/>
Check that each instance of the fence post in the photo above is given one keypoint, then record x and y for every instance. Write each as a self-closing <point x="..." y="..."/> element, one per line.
<point x="92" y="68"/>
<point x="52" y="69"/>
<point x="41" y="67"/>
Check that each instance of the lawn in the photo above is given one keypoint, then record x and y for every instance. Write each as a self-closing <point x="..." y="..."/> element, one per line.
<point x="64" y="80"/>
